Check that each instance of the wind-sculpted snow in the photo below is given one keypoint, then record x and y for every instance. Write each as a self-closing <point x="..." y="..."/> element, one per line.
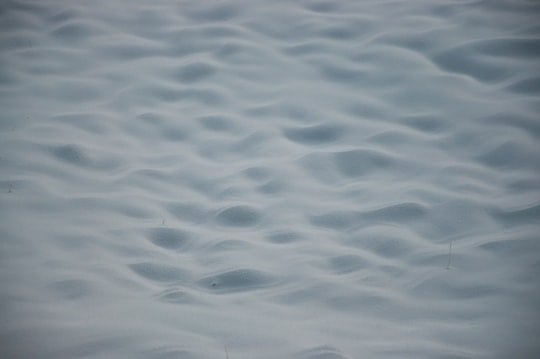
<point x="269" y="179"/>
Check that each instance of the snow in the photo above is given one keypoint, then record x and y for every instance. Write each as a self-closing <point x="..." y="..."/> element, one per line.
<point x="269" y="179"/>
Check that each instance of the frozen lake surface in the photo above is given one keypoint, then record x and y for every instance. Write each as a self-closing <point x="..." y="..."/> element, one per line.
<point x="269" y="179"/>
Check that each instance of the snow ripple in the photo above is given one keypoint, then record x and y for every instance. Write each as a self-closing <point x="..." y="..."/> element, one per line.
<point x="305" y="179"/>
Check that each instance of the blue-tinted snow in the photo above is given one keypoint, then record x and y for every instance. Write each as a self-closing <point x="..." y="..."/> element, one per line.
<point x="283" y="179"/>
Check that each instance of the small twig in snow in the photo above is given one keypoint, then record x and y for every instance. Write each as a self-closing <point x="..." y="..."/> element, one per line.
<point x="449" y="255"/>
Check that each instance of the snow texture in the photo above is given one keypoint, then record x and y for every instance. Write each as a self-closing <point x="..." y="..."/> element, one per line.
<point x="306" y="179"/>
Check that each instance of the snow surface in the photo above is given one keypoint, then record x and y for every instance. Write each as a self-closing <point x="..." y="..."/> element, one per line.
<point x="269" y="179"/>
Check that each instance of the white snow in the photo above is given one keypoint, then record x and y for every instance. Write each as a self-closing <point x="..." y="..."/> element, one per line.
<point x="269" y="179"/>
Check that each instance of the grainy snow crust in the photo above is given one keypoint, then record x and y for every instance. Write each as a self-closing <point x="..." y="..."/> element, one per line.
<point x="269" y="179"/>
